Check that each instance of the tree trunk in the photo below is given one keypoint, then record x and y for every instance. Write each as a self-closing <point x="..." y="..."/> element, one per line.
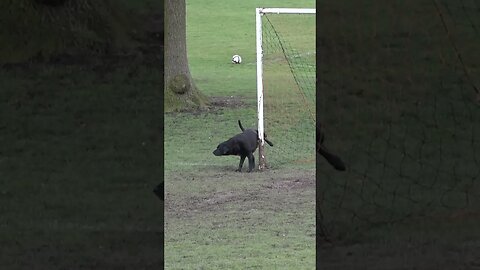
<point x="180" y="90"/>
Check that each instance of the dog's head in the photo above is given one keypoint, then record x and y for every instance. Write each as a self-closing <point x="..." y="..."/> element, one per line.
<point x="222" y="149"/>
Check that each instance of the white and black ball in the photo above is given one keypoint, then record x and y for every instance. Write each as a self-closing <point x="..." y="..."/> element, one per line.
<point x="236" y="59"/>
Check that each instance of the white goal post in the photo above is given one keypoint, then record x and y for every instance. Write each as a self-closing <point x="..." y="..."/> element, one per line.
<point x="259" y="12"/>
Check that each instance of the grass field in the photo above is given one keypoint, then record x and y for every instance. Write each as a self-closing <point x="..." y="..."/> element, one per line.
<point x="80" y="152"/>
<point x="217" y="218"/>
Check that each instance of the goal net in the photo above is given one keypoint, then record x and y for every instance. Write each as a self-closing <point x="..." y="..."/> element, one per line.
<point x="286" y="72"/>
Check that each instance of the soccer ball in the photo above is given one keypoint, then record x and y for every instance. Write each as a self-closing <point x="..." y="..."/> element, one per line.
<point x="236" y="59"/>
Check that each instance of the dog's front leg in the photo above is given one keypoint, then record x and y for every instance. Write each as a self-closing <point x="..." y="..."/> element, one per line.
<point x="242" y="159"/>
<point x="251" y="162"/>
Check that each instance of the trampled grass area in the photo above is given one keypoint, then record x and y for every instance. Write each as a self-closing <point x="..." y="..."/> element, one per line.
<point x="217" y="218"/>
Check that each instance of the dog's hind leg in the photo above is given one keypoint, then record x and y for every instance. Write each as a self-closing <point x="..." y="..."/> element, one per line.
<point x="251" y="162"/>
<point x="240" y="165"/>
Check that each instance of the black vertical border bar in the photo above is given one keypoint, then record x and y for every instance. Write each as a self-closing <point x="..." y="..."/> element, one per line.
<point x="159" y="190"/>
<point x="317" y="120"/>
<point x="161" y="186"/>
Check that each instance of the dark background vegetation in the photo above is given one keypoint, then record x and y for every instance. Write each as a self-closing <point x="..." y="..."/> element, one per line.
<point x="398" y="100"/>
<point x="81" y="134"/>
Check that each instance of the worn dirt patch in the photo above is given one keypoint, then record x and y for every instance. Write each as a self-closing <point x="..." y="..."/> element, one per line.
<point x="227" y="102"/>
<point x="291" y="184"/>
<point x="217" y="104"/>
<point x="221" y="197"/>
<point x="211" y="200"/>
<point x="188" y="206"/>
<point x="218" y="198"/>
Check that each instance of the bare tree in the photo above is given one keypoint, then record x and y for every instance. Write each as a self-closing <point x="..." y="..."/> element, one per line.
<point x="179" y="86"/>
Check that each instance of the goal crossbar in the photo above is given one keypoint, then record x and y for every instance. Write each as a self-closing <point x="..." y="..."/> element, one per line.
<point x="287" y="10"/>
<point x="258" y="25"/>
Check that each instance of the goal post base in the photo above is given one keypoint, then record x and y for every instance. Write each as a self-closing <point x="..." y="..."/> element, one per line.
<point x="262" y="162"/>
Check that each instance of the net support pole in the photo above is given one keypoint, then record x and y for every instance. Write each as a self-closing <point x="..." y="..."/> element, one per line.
<point x="262" y="164"/>
<point x="258" y="21"/>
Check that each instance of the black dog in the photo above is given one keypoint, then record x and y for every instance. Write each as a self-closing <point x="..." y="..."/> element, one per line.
<point x="243" y="145"/>
<point x="256" y="130"/>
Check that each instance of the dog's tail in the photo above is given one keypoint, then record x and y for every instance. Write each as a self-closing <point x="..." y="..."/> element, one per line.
<point x="240" y="125"/>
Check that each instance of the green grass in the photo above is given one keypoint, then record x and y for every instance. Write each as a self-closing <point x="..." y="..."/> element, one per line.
<point x="214" y="37"/>
<point x="217" y="218"/>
